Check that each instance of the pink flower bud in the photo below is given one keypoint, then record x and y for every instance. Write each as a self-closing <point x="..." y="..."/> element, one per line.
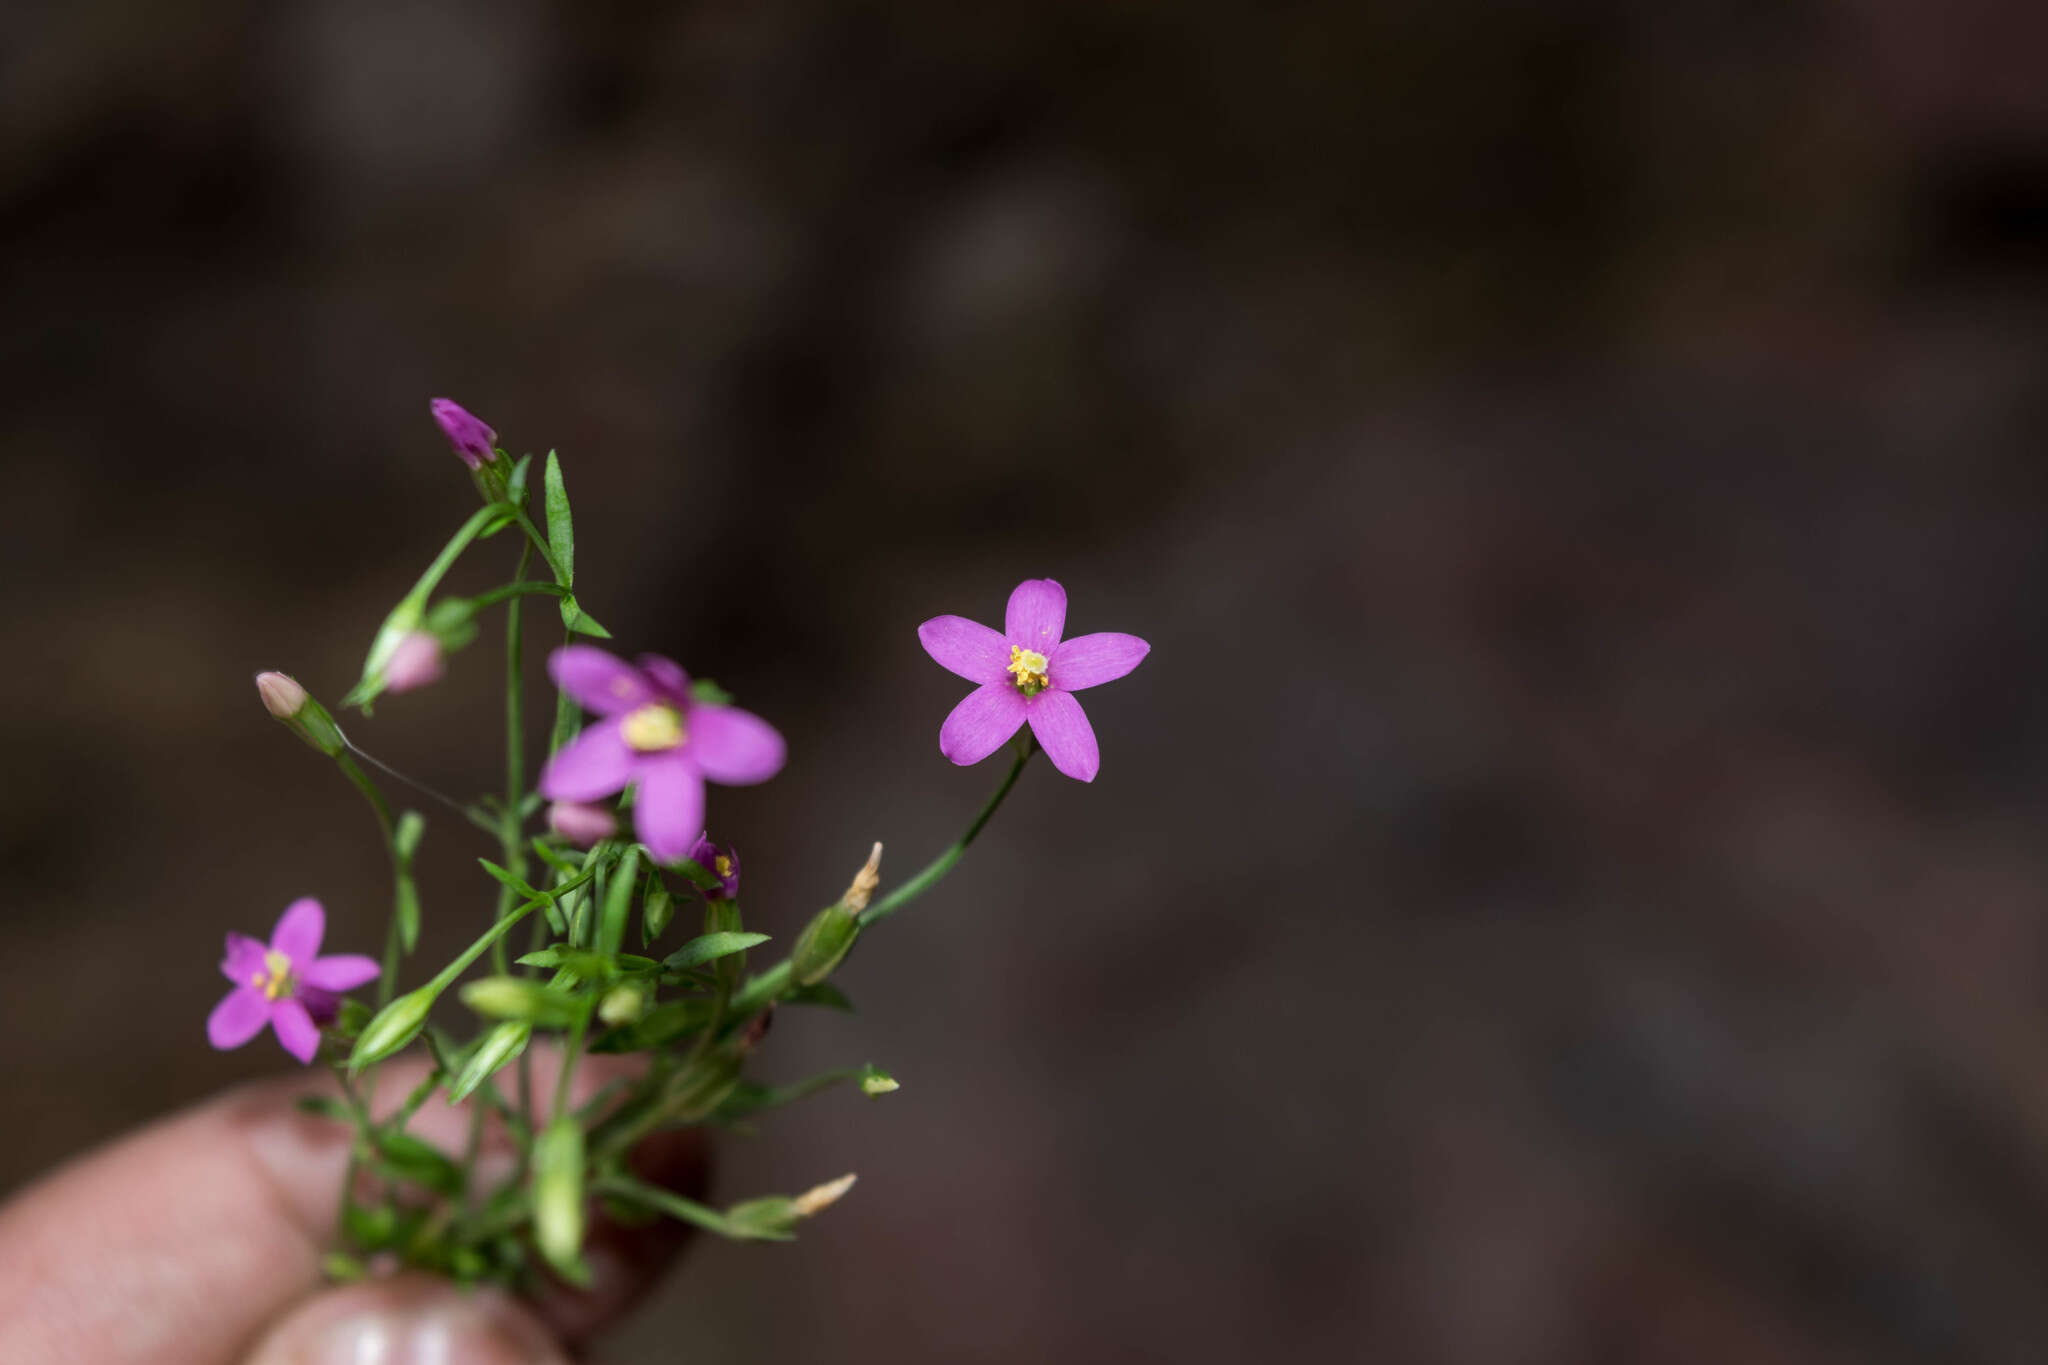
<point x="473" y="441"/>
<point x="281" y="693"/>
<point x="414" y="663"/>
<point x="581" y="824"/>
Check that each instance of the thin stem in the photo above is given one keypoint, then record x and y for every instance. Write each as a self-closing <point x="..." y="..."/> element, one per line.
<point x="941" y="865"/>
<point x="488" y="826"/>
<point x="515" y="589"/>
<point x="509" y="835"/>
<point x="387" y="980"/>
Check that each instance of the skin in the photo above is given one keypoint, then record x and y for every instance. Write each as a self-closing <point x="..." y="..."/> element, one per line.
<point x="197" y="1241"/>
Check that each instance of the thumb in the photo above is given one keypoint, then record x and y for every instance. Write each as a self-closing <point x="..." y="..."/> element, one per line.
<point x="410" y="1320"/>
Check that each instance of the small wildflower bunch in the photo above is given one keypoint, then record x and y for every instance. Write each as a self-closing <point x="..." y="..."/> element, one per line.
<point x="596" y="849"/>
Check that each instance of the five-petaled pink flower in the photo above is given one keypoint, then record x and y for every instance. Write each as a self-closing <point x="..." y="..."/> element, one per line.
<point x="653" y="734"/>
<point x="287" y="985"/>
<point x="1027" y="673"/>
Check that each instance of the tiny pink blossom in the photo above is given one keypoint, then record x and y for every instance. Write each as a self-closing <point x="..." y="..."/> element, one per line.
<point x="415" y="662"/>
<point x="287" y="985"/>
<point x="652" y="734"/>
<point x="473" y="441"/>
<point x="1027" y="674"/>
<point x="722" y="862"/>
<point x="581" y="823"/>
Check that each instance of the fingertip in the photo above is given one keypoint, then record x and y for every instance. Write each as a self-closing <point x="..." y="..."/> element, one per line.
<point x="408" y="1320"/>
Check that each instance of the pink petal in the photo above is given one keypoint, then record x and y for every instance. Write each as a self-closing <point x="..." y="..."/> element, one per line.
<point x="244" y="959"/>
<point x="668" y="677"/>
<point x="1037" y="615"/>
<point x="1087" y="660"/>
<point x="341" y="972"/>
<point x="299" y="931"/>
<point x="1065" y="735"/>
<point x="237" y="1018"/>
<point x="599" y="682"/>
<point x="733" y="746"/>
<point x="668" y="811"/>
<point x="295" y="1029"/>
<point x="596" y="763"/>
<point x="966" y="647"/>
<point x="981" y="722"/>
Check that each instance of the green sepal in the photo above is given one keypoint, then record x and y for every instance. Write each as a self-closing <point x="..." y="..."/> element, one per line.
<point x="618" y="900"/>
<point x="349" y="1020"/>
<point x="772" y="1219"/>
<point x="657" y="909"/>
<point x="705" y="692"/>
<point x="515" y="482"/>
<point x="501" y="875"/>
<point x="582" y="622"/>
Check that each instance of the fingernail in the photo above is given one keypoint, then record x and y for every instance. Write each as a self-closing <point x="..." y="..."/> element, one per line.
<point x="400" y="1323"/>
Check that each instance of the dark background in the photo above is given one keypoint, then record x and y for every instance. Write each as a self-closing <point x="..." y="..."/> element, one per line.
<point x="1568" y="884"/>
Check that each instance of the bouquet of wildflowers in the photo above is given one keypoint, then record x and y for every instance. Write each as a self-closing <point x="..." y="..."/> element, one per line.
<point x="570" y="891"/>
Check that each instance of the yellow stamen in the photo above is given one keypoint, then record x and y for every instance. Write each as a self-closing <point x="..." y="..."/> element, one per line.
<point x="276" y="977"/>
<point x="1028" y="666"/>
<point x="723" y="864"/>
<point x="653" y="728"/>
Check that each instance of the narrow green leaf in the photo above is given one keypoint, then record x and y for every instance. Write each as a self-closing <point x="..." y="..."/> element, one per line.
<point x="515" y="483"/>
<point x="501" y="1045"/>
<point x="709" y="947"/>
<point x="824" y="993"/>
<point x="509" y="880"/>
<point x="581" y="621"/>
<point x="561" y="532"/>
<point x="325" y="1107"/>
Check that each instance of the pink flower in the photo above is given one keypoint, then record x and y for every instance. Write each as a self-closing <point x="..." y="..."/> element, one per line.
<point x="473" y="441"/>
<point x="653" y="734"/>
<point x="286" y="985"/>
<point x="415" y="662"/>
<point x="581" y="824"/>
<point x="721" y="862"/>
<point x="1027" y="673"/>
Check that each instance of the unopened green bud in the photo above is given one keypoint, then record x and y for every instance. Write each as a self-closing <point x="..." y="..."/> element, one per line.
<point x="875" y="1081"/>
<point x="622" y="1004"/>
<point x="397" y="1024"/>
<point x="558" y="1195"/>
<point x="775" y="1217"/>
<point x="501" y="1045"/>
<point x="514" y="997"/>
<point x="823" y="943"/>
<point x="655" y="912"/>
<point x="306" y="718"/>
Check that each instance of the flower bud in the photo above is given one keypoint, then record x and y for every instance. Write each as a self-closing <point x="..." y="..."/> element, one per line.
<point x="501" y="1045"/>
<point x="472" y="440"/>
<point x="864" y="882"/>
<point x="397" y="1024"/>
<point x="515" y="997"/>
<point x="622" y="1004"/>
<point x="308" y="719"/>
<point x="722" y="863"/>
<point x="580" y="823"/>
<point x="775" y="1217"/>
<point x="558" y="1195"/>
<point x="818" y="1198"/>
<point x="875" y="1082"/>
<point x="414" y="663"/>
<point x="824" y="941"/>
<point x="656" y="911"/>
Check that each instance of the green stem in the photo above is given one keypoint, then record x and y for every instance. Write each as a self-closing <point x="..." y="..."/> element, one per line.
<point x="539" y="542"/>
<point x="509" y="590"/>
<point x="387" y="982"/>
<point x="509" y="835"/>
<point x="941" y="865"/>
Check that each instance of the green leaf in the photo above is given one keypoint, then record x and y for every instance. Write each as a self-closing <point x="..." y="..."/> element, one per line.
<point x="547" y="854"/>
<point x="618" y="900"/>
<point x="406" y="837"/>
<point x="369" y="1226"/>
<point x="581" y="621"/>
<point x="419" y="1160"/>
<point x="509" y="880"/>
<point x="501" y="1045"/>
<point x="657" y="908"/>
<point x="561" y="532"/>
<point x="709" y="947"/>
<point x="658" y="1027"/>
<point x="515" y="482"/>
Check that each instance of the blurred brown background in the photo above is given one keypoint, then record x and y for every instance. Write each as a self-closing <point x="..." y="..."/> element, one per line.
<point x="1568" y="885"/>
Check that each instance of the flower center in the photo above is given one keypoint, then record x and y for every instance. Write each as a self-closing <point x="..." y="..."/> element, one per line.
<point x="653" y="728"/>
<point x="1029" y="667"/>
<point x="723" y="864"/>
<point x="276" y="977"/>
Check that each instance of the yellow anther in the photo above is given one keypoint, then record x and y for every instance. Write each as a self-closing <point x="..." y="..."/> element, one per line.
<point x="723" y="864"/>
<point x="276" y="977"/>
<point x="653" y="728"/>
<point x="1028" y="667"/>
